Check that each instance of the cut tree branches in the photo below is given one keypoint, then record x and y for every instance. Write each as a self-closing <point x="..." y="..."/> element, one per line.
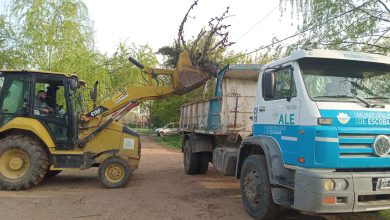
<point x="210" y="42"/>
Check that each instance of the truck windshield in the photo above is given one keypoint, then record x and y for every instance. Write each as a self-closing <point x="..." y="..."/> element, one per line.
<point x="345" y="80"/>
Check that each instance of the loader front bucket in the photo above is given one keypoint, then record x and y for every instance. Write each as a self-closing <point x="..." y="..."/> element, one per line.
<point x="187" y="77"/>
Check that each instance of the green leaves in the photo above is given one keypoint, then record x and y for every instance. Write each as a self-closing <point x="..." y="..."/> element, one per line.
<point x="361" y="25"/>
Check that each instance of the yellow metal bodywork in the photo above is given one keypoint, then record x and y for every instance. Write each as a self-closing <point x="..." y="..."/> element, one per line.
<point x="32" y="125"/>
<point x="43" y="72"/>
<point x="112" y="137"/>
<point x="135" y="93"/>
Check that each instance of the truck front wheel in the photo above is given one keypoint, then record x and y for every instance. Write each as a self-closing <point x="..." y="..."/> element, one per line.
<point x="255" y="188"/>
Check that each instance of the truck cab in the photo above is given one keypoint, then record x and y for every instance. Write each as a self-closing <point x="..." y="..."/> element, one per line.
<point x="321" y="135"/>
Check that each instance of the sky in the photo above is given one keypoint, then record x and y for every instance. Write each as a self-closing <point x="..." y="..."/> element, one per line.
<point x="155" y="22"/>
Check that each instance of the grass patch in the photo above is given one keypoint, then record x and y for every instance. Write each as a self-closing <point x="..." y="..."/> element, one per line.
<point x="384" y="214"/>
<point x="144" y="131"/>
<point x="170" y="141"/>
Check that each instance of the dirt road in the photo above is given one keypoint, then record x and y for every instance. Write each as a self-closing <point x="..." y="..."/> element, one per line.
<point x="159" y="189"/>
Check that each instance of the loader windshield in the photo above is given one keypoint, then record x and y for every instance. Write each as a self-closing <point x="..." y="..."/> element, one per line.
<point x="345" y="80"/>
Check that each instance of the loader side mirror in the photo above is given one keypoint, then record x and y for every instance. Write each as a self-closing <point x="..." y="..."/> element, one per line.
<point x="93" y="92"/>
<point x="268" y="85"/>
<point x="73" y="85"/>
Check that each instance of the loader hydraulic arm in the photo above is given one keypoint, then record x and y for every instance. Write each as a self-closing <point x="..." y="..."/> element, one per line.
<point x="183" y="79"/>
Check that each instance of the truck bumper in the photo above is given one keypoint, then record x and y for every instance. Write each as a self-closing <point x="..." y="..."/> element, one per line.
<point x="353" y="191"/>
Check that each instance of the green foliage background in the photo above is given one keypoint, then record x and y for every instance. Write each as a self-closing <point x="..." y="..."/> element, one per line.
<point x="58" y="36"/>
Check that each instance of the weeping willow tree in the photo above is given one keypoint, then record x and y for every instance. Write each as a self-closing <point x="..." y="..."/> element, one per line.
<point x="361" y="25"/>
<point x="54" y="36"/>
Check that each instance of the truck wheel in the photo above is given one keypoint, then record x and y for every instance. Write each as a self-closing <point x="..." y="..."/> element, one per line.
<point x="114" y="172"/>
<point x="161" y="134"/>
<point x="255" y="188"/>
<point x="23" y="162"/>
<point x="52" y="173"/>
<point x="204" y="158"/>
<point x="191" y="160"/>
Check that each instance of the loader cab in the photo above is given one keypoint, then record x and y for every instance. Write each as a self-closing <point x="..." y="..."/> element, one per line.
<point x="52" y="99"/>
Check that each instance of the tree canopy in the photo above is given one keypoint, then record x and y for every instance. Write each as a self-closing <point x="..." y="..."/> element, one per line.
<point x="361" y="25"/>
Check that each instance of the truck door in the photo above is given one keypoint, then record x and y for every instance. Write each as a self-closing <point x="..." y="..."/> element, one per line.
<point x="279" y="112"/>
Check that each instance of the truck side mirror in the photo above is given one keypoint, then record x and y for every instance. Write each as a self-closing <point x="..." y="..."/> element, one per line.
<point x="269" y="85"/>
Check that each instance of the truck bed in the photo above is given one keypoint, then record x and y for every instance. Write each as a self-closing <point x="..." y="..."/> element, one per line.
<point x="230" y="111"/>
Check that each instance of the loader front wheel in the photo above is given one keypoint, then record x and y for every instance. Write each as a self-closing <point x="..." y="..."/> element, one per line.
<point x="114" y="172"/>
<point x="23" y="162"/>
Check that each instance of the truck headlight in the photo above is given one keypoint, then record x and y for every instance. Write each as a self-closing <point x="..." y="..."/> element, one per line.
<point x="341" y="184"/>
<point x="335" y="184"/>
<point x="329" y="185"/>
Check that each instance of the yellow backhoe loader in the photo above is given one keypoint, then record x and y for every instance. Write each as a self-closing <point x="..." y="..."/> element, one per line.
<point x="44" y="129"/>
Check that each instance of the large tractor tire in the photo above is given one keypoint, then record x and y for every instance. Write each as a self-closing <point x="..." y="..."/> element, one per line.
<point x="256" y="190"/>
<point x="23" y="162"/>
<point x="114" y="172"/>
<point x="191" y="160"/>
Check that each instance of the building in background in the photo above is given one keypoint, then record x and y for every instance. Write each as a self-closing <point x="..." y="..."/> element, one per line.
<point x="139" y="117"/>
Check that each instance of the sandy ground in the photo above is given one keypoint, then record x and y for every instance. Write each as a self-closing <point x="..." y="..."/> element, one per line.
<point x="159" y="189"/>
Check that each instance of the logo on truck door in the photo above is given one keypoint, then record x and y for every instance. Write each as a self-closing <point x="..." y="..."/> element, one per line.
<point x="286" y="119"/>
<point x="343" y="118"/>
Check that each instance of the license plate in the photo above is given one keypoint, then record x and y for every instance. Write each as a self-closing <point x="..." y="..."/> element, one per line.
<point x="383" y="184"/>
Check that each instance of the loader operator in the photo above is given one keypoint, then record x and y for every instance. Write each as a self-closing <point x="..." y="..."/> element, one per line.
<point x="40" y="105"/>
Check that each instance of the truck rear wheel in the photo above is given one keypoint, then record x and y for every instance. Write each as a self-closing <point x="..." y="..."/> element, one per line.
<point x="114" y="172"/>
<point x="191" y="160"/>
<point x="255" y="188"/>
<point x="23" y="162"/>
<point x="204" y="158"/>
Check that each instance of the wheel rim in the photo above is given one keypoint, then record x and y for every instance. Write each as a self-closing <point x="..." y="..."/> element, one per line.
<point x="114" y="173"/>
<point x="14" y="164"/>
<point x="252" y="187"/>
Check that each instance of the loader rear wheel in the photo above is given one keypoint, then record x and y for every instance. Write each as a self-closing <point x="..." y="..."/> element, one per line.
<point x="23" y="162"/>
<point x="114" y="172"/>
<point x="191" y="160"/>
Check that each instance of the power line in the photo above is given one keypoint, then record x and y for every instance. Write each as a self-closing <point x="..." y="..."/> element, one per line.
<point x="257" y="23"/>
<point x="304" y="31"/>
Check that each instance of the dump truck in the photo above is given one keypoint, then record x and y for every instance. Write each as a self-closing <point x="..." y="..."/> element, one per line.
<point x="321" y="136"/>
<point x="45" y="128"/>
<point x="223" y="120"/>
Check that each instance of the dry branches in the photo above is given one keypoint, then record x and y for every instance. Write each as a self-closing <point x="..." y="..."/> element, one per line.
<point x="209" y="42"/>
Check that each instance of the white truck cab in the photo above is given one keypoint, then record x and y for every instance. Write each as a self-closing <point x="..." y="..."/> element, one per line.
<point x="320" y="135"/>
